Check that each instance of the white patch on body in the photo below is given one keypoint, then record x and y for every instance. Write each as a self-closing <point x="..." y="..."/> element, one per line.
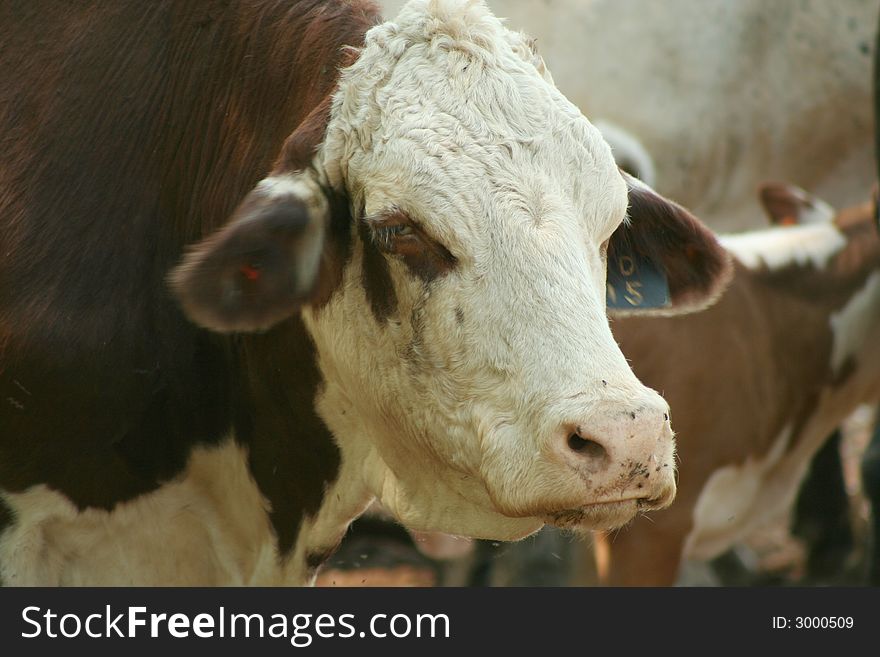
<point x="208" y="527"/>
<point x="733" y="502"/>
<point x="776" y="248"/>
<point x="853" y="324"/>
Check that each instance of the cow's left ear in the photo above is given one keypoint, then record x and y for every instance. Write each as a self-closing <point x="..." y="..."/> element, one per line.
<point x="662" y="259"/>
<point x="269" y="260"/>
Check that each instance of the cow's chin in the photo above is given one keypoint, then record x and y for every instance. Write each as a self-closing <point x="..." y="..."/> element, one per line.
<point x="469" y="521"/>
<point x="607" y="515"/>
<point x="431" y="505"/>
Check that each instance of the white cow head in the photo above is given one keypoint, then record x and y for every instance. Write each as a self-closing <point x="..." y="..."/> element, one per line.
<point x="446" y="249"/>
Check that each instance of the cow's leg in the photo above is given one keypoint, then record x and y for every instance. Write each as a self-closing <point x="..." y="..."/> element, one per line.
<point x="871" y="487"/>
<point x="821" y="515"/>
<point x="645" y="555"/>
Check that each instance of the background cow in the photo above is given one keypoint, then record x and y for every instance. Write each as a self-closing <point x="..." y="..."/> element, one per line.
<point x="394" y="288"/>
<point x="793" y="346"/>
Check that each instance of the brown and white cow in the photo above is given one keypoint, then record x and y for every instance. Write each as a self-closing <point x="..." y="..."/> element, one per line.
<point x="756" y="383"/>
<point x="395" y="289"/>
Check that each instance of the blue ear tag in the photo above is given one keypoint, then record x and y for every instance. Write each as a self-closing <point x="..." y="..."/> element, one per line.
<point x="635" y="282"/>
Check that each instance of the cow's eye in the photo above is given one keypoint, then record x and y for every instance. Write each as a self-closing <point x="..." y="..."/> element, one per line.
<point x="390" y="237"/>
<point x="399" y="237"/>
<point x="401" y="230"/>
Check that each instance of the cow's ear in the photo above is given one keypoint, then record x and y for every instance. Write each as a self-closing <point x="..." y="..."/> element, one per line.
<point x="788" y="205"/>
<point x="662" y="259"/>
<point x="264" y="264"/>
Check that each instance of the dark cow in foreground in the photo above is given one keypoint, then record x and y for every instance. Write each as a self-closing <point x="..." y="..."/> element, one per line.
<point x="756" y="383"/>
<point x="394" y="288"/>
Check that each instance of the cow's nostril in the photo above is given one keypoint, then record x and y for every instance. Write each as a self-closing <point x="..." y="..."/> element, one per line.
<point x="585" y="446"/>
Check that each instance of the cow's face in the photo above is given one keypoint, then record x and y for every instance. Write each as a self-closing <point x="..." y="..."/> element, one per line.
<point x="460" y="321"/>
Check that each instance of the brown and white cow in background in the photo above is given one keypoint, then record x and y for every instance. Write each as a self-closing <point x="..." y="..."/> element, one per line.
<point x="408" y="304"/>
<point x="721" y="95"/>
<point x="756" y="383"/>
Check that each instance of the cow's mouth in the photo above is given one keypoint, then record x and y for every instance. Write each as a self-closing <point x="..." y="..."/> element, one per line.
<point x="602" y="515"/>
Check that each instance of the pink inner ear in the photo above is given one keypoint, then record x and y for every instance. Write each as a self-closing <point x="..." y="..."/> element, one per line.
<point x="249" y="272"/>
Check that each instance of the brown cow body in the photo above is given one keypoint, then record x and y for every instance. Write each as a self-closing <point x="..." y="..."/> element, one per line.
<point x="756" y="384"/>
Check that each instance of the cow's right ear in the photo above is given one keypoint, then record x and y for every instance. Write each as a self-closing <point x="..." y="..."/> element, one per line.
<point x="264" y="264"/>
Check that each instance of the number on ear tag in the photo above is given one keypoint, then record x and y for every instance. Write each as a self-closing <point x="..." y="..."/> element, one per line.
<point x="635" y="282"/>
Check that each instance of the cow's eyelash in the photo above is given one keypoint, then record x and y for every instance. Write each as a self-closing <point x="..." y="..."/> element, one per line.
<point x="399" y="229"/>
<point x="384" y="235"/>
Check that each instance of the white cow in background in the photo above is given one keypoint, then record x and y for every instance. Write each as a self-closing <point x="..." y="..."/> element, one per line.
<point x="723" y="95"/>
